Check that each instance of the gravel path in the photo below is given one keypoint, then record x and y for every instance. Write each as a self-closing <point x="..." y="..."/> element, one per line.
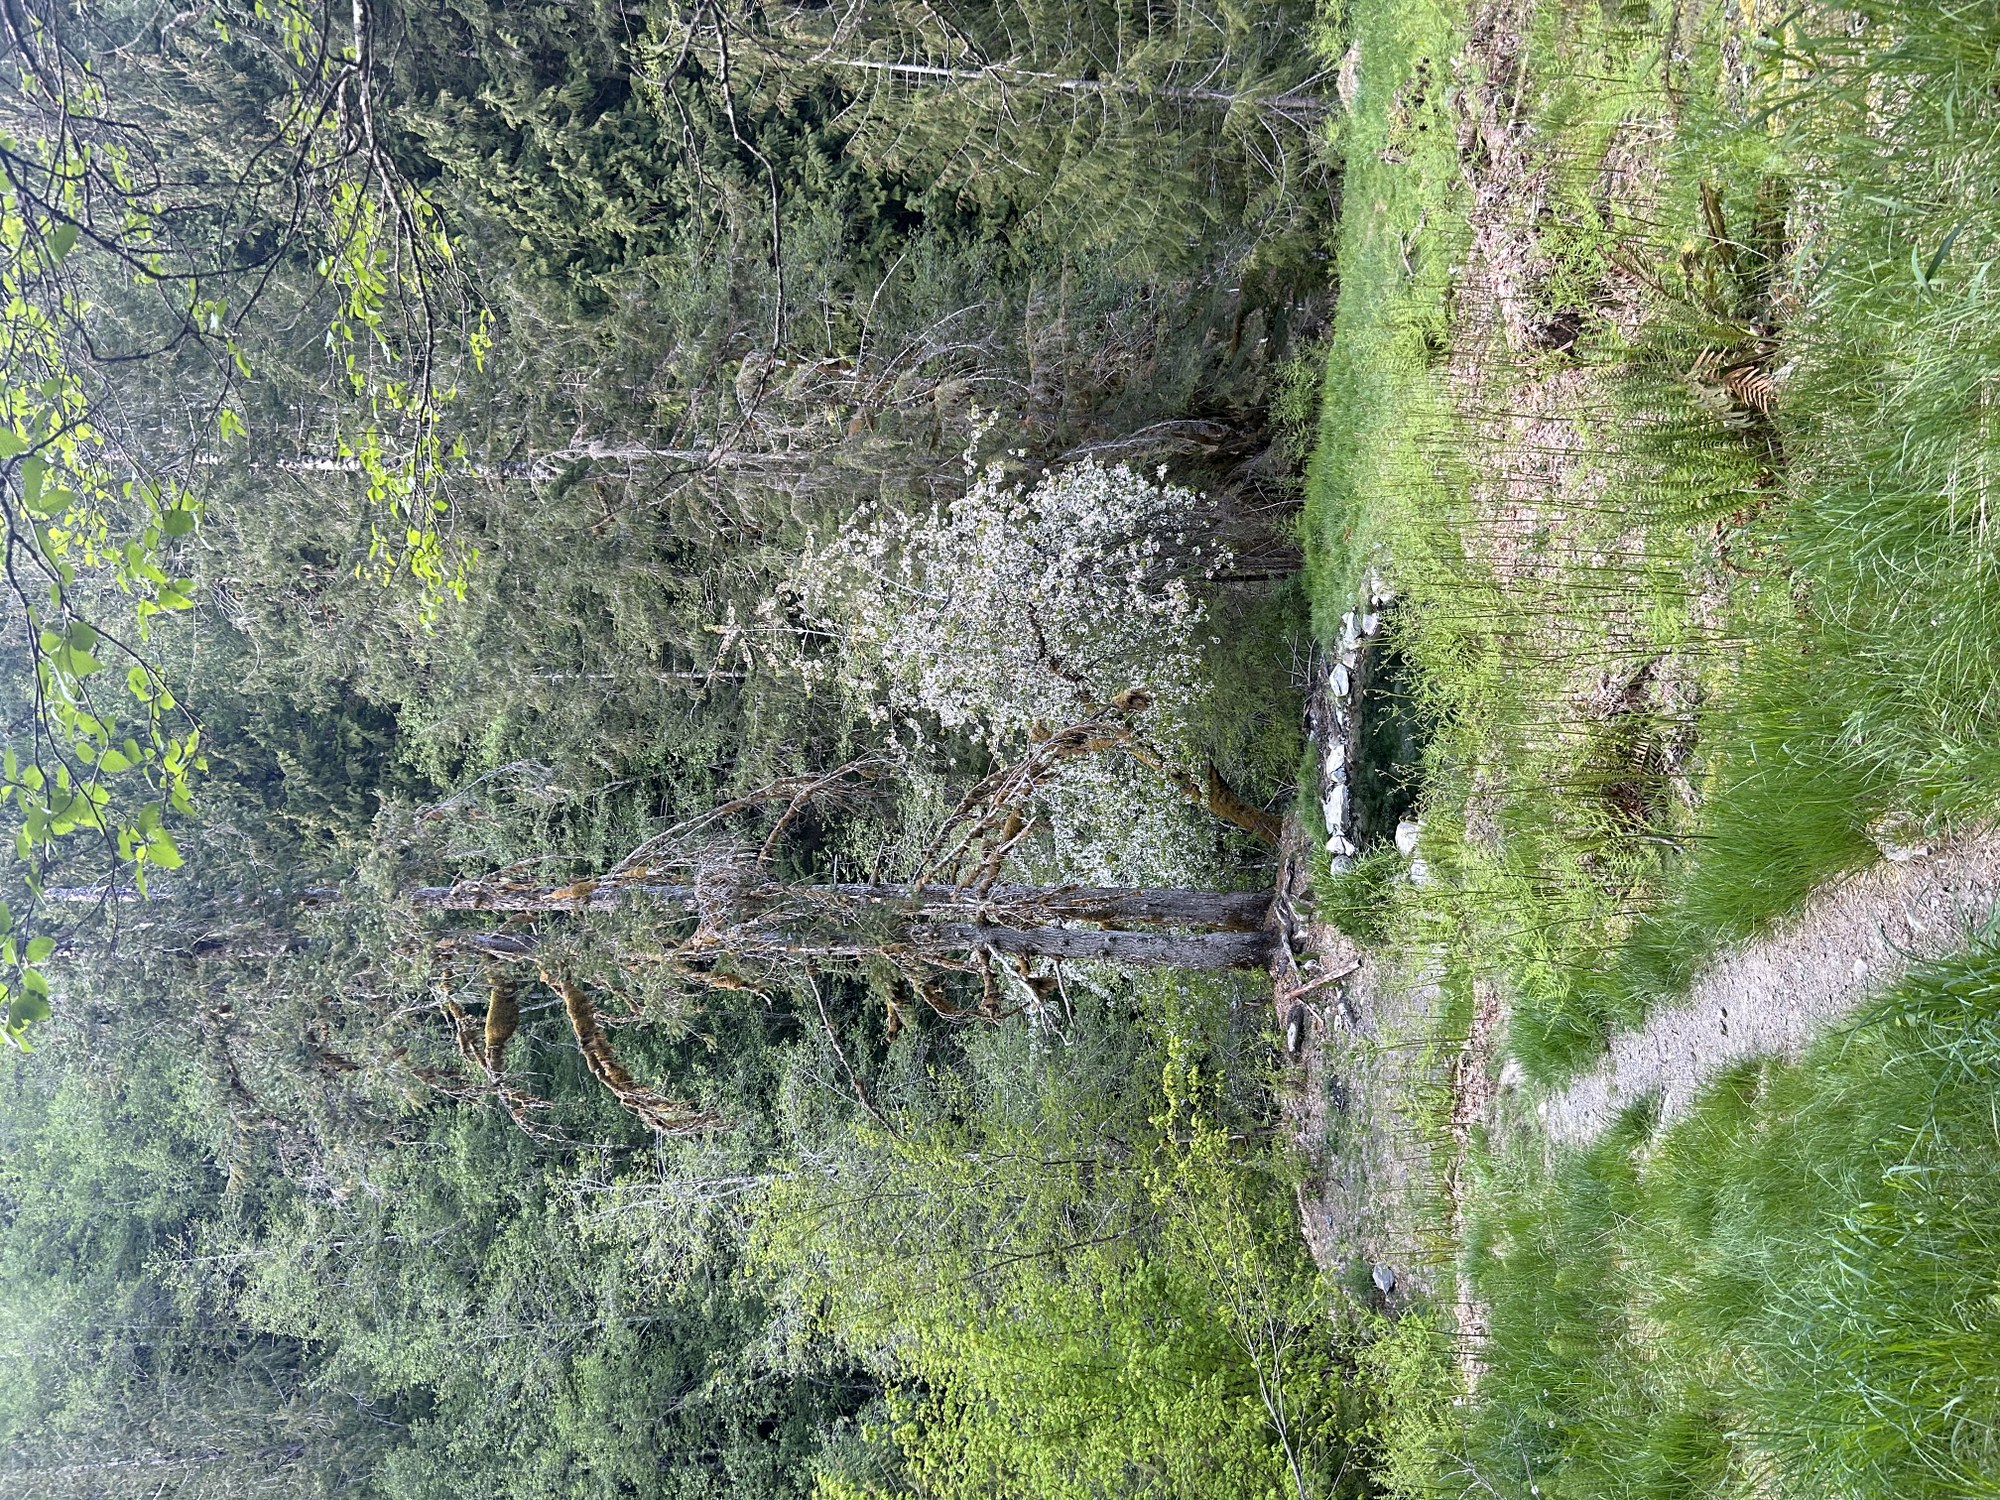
<point x="1775" y="994"/>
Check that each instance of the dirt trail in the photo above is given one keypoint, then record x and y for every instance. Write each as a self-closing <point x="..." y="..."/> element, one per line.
<point x="1774" y="995"/>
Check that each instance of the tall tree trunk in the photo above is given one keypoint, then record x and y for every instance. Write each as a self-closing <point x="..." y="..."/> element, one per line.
<point x="1167" y="950"/>
<point x="1292" y="105"/>
<point x="1154" y="927"/>
<point x="1146" y="906"/>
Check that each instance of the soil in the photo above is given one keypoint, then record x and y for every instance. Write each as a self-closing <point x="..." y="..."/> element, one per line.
<point x="1384" y="1109"/>
<point x="1369" y="1195"/>
<point x="1384" y="1190"/>
<point x="1773" y="995"/>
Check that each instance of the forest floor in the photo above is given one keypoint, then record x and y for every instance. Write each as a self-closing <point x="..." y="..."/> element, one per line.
<point x="1383" y="1114"/>
<point x="1355" y="1118"/>
<point x="1703" y="669"/>
<point x="1392" y="1088"/>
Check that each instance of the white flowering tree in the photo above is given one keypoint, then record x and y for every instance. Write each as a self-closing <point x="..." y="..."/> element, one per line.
<point x="1018" y="608"/>
<point x="1018" y="604"/>
<point x="1060" y="625"/>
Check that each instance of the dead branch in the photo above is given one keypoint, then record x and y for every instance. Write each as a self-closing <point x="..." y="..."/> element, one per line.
<point x="657" y="1112"/>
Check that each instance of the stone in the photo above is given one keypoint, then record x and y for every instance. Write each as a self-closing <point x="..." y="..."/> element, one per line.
<point x="1420" y="873"/>
<point x="1384" y="1278"/>
<point x="1343" y="681"/>
<point x="1371" y="624"/>
<point x="1334" y="805"/>
<point x="1348" y="79"/>
<point x="1900" y="837"/>
<point x="1406" y="837"/>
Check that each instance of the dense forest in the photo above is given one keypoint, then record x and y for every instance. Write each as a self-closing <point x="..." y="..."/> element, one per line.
<point x="999" y="750"/>
<point x="611" y="611"/>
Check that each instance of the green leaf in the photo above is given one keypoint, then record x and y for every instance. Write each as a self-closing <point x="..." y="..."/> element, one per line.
<point x="77" y="663"/>
<point x="113" y="761"/>
<point x="177" y="522"/>
<point x="62" y="241"/>
<point x="12" y="444"/>
<point x="160" y="850"/>
<point x="27" y="1009"/>
<point x="40" y="948"/>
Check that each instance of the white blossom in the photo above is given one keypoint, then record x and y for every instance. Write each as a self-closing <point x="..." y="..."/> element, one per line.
<point x="1016" y="605"/>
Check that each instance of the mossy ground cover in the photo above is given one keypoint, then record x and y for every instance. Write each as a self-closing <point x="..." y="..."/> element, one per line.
<point x="1661" y="387"/>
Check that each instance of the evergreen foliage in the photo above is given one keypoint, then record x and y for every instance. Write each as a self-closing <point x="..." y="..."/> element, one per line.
<point x="534" y="353"/>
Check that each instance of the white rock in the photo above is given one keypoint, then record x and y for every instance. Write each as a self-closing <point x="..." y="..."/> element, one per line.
<point x="1900" y="837"/>
<point x="1340" y="864"/>
<point x="1371" y="624"/>
<point x="1339" y="844"/>
<point x="1347" y="624"/>
<point x="1343" y="680"/>
<point x="1336" y="770"/>
<point x="1334" y="805"/>
<point x="1406" y="836"/>
<point x="1420" y="873"/>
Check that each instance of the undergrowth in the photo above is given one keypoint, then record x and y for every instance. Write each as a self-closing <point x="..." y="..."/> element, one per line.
<point x="1788" y="1293"/>
<point x="1697" y="580"/>
<point x="1735" y="637"/>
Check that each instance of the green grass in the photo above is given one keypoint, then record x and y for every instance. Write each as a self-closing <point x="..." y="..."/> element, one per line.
<point x="1401" y="225"/>
<point x="1725" y="665"/>
<point x="1790" y="1292"/>
<point x="1553" y="875"/>
<point x="1799" y="617"/>
<point x="1880" y="695"/>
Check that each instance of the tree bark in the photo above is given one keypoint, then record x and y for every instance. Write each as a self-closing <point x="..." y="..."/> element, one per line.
<point x="1292" y="106"/>
<point x="1159" y="927"/>
<point x="1155" y="906"/>
<point x="1169" y="950"/>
